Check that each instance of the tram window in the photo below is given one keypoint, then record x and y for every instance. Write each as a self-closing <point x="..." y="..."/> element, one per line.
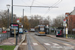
<point x="42" y="29"/>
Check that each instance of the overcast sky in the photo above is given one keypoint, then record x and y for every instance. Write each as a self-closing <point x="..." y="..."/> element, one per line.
<point x="63" y="7"/>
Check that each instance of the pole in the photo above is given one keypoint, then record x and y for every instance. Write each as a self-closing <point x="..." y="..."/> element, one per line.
<point x="23" y="18"/>
<point x="66" y="31"/>
<point x="8" y="23"/>
<point x="8" y="18"/>
<point x="20" y="37"/>
<point x="15" y="36"/>
<point x="12" y="12"/>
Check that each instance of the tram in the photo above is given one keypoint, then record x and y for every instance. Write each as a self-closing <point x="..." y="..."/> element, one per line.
<point x="32" y="29"/>
<point x="40" y="30"/>
<point x="59" y="32"/>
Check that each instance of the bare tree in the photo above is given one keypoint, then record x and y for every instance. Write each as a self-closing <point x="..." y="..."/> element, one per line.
<point x="58" y="21"/>
<point x="4" y="18"/>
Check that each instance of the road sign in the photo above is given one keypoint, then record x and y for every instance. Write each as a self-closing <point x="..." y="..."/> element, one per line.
<point x="20" y="30"/>
<point x="64" y="24"/>
<point x="12" y="27"/>
<point x="64" y="21"/>
<point x="18" y="21"/>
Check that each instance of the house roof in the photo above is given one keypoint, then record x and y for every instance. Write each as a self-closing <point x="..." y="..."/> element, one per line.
<point x="73" y="12"/>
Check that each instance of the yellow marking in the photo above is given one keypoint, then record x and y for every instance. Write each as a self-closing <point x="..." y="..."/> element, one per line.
<point x="42" y="32"/>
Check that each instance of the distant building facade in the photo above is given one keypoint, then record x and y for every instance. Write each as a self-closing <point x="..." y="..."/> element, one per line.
<point x="70" y="17"/>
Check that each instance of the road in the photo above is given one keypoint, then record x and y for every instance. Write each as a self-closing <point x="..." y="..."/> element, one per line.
<point x="35" y="42"/>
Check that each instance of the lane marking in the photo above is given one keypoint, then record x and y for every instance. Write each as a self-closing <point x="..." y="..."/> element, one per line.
<point x="24" y="43"/>
<point x="35" y="44"/>
<point x="55" y="44"/>
<point x="68" y="45"/>
<point x="46" y="43"/>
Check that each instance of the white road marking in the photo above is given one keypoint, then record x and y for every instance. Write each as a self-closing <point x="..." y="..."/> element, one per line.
<point x="24" y="43"/>
<point x="46" y="43"/>
<point x="35" y="44"/>
<point x="68" y="45"/>
<point x="55" y="44"/>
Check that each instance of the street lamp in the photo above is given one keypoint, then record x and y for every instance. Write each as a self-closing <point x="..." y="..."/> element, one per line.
<point x="8" y="15"/>
<point x="8" y="18"/>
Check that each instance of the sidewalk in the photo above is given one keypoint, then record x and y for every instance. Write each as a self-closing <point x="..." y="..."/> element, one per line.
<point x="9" y="41"/>
<point x="64" y="39"/>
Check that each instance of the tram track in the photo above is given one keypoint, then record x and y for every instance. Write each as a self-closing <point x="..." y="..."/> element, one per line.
<point x="52" y="42"/>
<point x="42" y="45"/>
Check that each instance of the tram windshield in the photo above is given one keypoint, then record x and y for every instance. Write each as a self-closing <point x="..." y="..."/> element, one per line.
<point x="42" y="29"/>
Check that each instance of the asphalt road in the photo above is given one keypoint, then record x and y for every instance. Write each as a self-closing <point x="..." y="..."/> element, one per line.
<point x="35" y="42"/>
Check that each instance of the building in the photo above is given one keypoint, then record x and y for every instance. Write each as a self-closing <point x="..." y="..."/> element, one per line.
<point x="70" y="17"/>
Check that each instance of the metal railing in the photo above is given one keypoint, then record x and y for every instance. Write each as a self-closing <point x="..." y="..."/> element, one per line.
<point x="4" y="36"/>
<point x="72" y="36"/>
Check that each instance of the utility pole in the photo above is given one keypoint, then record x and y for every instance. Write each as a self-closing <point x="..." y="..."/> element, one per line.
<point x="12" y="12"/>
<point x="8" y="18"/>
<point x="8" y="22"/>
<point x="8" y="15"/>
<point x="23" y="18"/>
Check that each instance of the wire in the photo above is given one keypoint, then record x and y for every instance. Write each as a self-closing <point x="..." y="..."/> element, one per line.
<point x="40" y="3"/>
<point x="24" y="2"/>
<point x="57" y="2"/>
<point x="36" y="6"/>
<point x="37" y="2"/>
<point x="52" y="5"/>
<point x="31" y="5"/>
<point x="32" y="2"/>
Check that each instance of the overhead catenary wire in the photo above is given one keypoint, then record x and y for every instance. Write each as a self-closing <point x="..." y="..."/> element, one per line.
<point x="36" y="6"/>
<point x="24" y="2"/>
<point x="44" y="4"/>
<point x="31" y="5"/>
<point x="52" y="5"/>
<point x="37" y="2"/>
<point x="40" y="2"/>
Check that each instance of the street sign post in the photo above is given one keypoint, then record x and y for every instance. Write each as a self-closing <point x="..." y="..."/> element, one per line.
<point x="14" y="31"/>
<point x="12" y="27"/>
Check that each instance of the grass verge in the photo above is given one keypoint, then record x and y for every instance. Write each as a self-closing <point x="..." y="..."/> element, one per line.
<point x="6" y="47"/>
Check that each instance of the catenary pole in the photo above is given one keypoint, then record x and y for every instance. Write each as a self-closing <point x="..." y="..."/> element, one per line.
<point x="12" y="12"/>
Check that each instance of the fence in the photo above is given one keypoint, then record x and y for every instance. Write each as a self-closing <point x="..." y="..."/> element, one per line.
<point x="4" y="36"/>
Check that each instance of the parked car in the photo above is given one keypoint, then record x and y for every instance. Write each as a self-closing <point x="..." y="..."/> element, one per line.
<point x="4" y="31"/>
<point x="8" y="30"/>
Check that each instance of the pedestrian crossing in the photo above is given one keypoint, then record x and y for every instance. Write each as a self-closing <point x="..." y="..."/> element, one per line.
<point x="47" y="44"/>
<point x="55" y="44"/>
<point x="35" y="43"/>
